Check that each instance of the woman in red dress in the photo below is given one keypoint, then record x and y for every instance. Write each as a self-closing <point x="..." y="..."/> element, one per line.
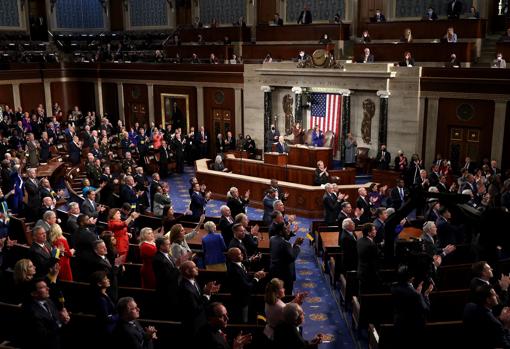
<point x="120" y="229"/>
<point x="157" y="137"/>
<point x="147" y="252"/>
<point x="59" y="241"/>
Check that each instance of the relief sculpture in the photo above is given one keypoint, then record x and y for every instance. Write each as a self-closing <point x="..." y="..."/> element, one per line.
<point x="366" y="124"/>
<point x="287" y="109"/>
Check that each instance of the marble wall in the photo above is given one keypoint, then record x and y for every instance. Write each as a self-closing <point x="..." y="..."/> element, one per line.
<point x="404" y="131"/>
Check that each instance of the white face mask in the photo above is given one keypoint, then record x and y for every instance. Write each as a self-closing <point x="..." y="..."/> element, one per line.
<point x="499" y="58"/>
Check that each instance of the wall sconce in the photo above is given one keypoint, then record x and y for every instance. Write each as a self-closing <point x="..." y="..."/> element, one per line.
<point x="52" y="4"/>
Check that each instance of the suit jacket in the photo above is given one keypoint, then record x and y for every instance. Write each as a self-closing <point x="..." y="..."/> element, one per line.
<point x="331" y="208"/>
<point x="268" y="209"/>
<point x="383" y="161"/>
<point x="197" y="205"/>
<point x="226" y="229"/>
<point x="192" y="304"/>
<point x="89" y="209"/>
<point x="240" y="245"/>
<point x="127" y="194"/>
<point x="282" y="148"/>
<point x="237" y="205"/>
<point x="410" y="309"/>
<point x="283" y="256"/>
<point x="368" y="269"/>
<point x="210" y="338"/>
<point x="44" y="325"/>
<point x="130" y="335"/>
<point x="241" y="284"/>
<point x="74" y="153"/>
<point x="482" y="329"/>
<point x="72" y="225"/>
<point x="366" y="205"/>
<point x="370" y="59"/>
<point x="349" y="247"/>
<point x="40" y="257"/>
<point x="305" y="17"/>
<point x="396" y="199"/>
<point x="288" y="337"/>
<point x="167" y="278"/>
<point x="454" y="10"/>
<point x="34" y="196"/>
<point x="448" y="233"/>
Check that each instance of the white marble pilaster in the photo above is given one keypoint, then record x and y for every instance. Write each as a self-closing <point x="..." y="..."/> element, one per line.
<point x="430" y="137"/>
<point x="238" y="97"/>
<point x="16" y="96"/>
<point x="498" y="130"/>
<point x="200" y="107"/>
<point x="120" y="94"/>
<point x="98" y="92"/>
<point x="47" y="96"/>
<point x="150" y="96"/>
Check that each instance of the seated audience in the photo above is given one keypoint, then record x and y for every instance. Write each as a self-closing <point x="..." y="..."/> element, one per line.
<point x="378" y="17"/>
<point x="407" y="37"/>
<point x="365" y="37"/>
<point x="450" y="36"/>
<point x="367" y="57"/>
<point x="268" y="58"/>
<point x="277" y="20"/>
<point x="128" y="332"/>
<point x="499" y="62"/>
<point x="453" y="62"/>
<point x="408" y="60"/>
<point x="473" y="13"/>
<point x="281" y="146"/>
<point x="321" y="174"/>
<point x="325" y="40"/>
<point x="218" y="164"/>
<point x="287" y="334"/>
<point x="430" y="15"/>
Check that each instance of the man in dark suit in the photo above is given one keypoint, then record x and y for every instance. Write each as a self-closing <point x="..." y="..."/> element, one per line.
<point x="178" y="145"/>
<point x="241" y="284"/>
<point x="348" y="244"/>
<point x="363" y="203"/>
<point x="448" y="233"/>
<point x="97" y="261"/>
<point x="378" y="17"/>
<point x="236" y="203"/>
<point x="287" y="334"/>
<point x="469" y="165"/>
<point x="225" y="224"/>
<point x="283" y="256"/>
<point x="483" y="275"/>
<point x="482" y="328"/>
<point x="128" y="333"/>
<point x="368" y="261"/>
<point x="164" y="159"/>
<point x="277" y="20"/>
<point x="128" y="192"/>
<point x="167" y="278"/>
<point x="75" y="150"/>
<point x="454" y="9"/>
<point x="40" y="251"/>
<point x="192" y="299"/>
<point x="430" y="246"/>
<point x="280" y="193"/>
<point x="33" y="191"/>
<point x="198" y="202"/>
<point x="212" y="335"/>
<point x="268" y="203"/>
<point x="331" y="205"/>
<point x="383" y="158"/>
<point x="42" y="319"/>
<point x="367" y="57"/>
<point x="411" y="308"/>
<point x="379" y="224"/>
<point x="72" y="219"/>
<point x="346" y="212"/>
<point x="271" y="137"/>
<point x="399" y="194"/>
<point x="89" y="205"/>
<point x="155" y="183"/>
<point x="305" y="17"/>
<point x="202" y="140"/>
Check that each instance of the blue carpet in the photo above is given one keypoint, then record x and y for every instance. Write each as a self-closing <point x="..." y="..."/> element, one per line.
<point x="321" y="307"/>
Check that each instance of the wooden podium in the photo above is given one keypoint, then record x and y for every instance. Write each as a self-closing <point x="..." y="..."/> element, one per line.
<point x="273" y="158"/>
<point x="308" y="156"/>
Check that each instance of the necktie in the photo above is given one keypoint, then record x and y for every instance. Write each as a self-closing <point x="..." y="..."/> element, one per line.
<point x="401" y="193"/>
<point x="196" y="286"/>
<point x="106" y="261"/>
<point x="243" y="267"/>
<point x="224" y="335"/>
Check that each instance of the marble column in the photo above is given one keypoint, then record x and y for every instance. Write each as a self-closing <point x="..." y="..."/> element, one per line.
<point x="16" y="95"/>
<point x="238" y="94"/>
<point x="498" y="131"/>
<point x="47" y="96"/>
<point x="298" y="105"/>
<point x="120" y="94"/>
<point x="200" y="107"/>
<point x="383" y="117"/>
<point x="268" y="110"/>
<point x="345" y="127"/>
<point x="150" y="97"/>
<point x="431" y="133"/>
<point x="98" y="93"/>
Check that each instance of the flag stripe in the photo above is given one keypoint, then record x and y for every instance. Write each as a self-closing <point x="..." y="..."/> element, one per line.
<point x="326" y="113"/>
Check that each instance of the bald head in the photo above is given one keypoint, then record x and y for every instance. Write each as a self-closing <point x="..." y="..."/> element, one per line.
<point x="235" y="255"/>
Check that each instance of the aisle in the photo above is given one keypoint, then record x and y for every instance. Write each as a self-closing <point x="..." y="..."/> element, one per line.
<point x="322" y="313"/>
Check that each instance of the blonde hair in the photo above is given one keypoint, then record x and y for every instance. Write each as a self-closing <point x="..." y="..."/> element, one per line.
<point x="209" y="226"/>
<point x="143" y="234"/>
<point x="55" y="232"/>
<point x="21" y="270"/>
<point x="272" y="289"/>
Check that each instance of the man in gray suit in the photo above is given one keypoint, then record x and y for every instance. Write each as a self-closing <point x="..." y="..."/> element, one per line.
<point x="48" y="219"/>
<point x="268" y="202"/>
<point x="89" y="206"/>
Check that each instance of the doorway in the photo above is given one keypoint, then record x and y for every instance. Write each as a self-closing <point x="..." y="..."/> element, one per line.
<point x="464" y="142"/>
<point x="183" y="13"/>
<point x="265" y="11"/>
<point x="366" y="9"/>
<point x="137" y="113"/>
<point x="222" y="122"/>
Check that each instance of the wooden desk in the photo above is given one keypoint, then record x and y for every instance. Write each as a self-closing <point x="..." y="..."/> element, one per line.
<point x="421" y="52"/>
<point x="203" y="52"/>
<point x="304" y="200"/>
<point x="52" y="170"/>
<point x="504" y="48"/>
<point x="273" y="158"/>
<point x="312" y="32"/>
<point x="308" y="156"/>
<point x="465" y="28"/>
<point x="216" y="34"/>
<point x="385" y="177"/>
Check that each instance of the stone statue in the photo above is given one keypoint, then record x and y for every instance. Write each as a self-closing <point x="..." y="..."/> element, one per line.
<point x="287" y="109"/>
<point x="366" y="124"/>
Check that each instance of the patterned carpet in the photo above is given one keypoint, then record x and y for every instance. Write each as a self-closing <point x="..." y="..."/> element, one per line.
<point x="322" y="311"/>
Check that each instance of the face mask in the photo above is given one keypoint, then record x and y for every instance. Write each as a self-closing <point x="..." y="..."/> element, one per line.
<point x="378" y="13"/>
<point x="499" y="58"/>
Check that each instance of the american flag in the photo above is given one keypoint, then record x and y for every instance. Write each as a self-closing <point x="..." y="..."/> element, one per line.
<point x="326" y="112"/>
